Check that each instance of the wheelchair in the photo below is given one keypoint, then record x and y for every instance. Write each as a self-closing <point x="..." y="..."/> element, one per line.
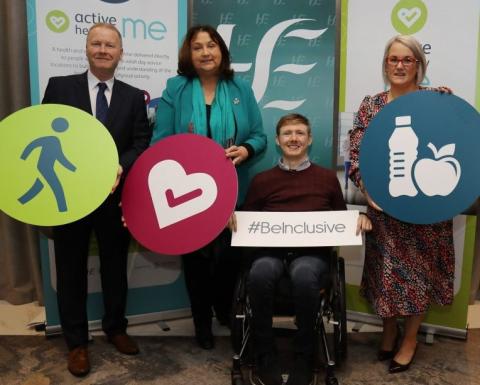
<point x="331" y="312"/>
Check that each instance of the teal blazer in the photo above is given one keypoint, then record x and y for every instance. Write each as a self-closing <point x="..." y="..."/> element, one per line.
<point x="175" y="109"/>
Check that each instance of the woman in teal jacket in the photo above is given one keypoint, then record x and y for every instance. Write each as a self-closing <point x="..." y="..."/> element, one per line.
<point x="207" y="99"/>
<point x="175" y="108"/>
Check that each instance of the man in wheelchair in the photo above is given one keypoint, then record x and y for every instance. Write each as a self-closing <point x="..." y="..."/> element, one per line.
<point x="295" y="184"/>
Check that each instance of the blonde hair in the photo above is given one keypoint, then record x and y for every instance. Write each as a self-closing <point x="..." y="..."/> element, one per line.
<point x="411" y="43"/>
<point x="108" y="26"/>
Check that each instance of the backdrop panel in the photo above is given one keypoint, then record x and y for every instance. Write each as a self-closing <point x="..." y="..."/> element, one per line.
<point x="286" y="50"/>
<point x="151" y="32"/>
<point x="449" y="34"/>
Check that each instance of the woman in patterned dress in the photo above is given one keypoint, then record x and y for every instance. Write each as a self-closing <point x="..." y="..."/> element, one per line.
<point x="407" y="266"/>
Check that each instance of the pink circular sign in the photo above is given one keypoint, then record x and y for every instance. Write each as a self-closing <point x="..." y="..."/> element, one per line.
<point x="179" y="194"/>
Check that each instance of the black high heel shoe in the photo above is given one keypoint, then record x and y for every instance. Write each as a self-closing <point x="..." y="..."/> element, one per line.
<point x="396" y="367"/>
<point x="383" y="355"/>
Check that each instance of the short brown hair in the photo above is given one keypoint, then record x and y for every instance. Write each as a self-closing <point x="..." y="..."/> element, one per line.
<point x="293" y="119"/>
<point x="109" y="26"/>
<point x="185" y="65"/>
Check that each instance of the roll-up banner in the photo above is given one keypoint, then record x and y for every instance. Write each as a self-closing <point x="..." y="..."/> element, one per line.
<point x="286" y="50"/>
<point x="151" y="31"/>
<point x="449" y="35"/>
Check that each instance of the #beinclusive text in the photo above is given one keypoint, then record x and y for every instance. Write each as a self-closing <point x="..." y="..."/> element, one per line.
<point x="264" y="227"/>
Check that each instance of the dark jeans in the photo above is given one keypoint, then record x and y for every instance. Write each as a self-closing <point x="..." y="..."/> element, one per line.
<point x="308" y="274"/>
<point x="210" y="275"/>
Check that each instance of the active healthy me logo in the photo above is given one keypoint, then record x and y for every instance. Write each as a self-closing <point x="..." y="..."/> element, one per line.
<point x="409" y="16"/>
<point x="179" y="194"/>
<point x="57" y="164"/>
<point x="418" y="157"/>
<point x="57" y="21"/>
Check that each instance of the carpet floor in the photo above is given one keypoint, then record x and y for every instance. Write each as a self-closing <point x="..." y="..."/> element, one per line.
<point x="34" y="360"/>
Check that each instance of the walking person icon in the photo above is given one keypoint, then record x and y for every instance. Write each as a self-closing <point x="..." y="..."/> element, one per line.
<point x="50" y="152"/>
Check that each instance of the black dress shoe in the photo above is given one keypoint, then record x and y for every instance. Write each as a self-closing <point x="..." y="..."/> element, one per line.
<point x="204" y="338"/>
<point x="267" y="369"/>
<point x="396" y="367"/>
<point x="223" y="319"/>
<point x="302" y="372"/>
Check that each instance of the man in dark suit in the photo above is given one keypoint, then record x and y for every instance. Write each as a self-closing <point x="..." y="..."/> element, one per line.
<point x="121" y="108"/>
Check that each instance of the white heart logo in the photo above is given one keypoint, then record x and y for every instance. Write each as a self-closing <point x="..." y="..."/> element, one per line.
<point x="409" y="16"/>
<point x="177" y="196"/>
<point x="57" y="21"/>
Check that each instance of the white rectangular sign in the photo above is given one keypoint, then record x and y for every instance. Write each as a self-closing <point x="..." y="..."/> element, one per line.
<point x="296" y="229"/>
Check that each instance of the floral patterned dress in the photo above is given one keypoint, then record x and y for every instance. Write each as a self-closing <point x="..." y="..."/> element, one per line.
<point x="407" y="266"/>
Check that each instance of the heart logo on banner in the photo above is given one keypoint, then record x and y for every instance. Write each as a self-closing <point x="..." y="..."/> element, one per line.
<point x="409" y="16"/>
<point x="57" y="21"/>
<point x="177" y="196"/>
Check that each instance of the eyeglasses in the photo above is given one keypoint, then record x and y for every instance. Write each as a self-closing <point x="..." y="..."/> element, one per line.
<point x="407" y="61"/>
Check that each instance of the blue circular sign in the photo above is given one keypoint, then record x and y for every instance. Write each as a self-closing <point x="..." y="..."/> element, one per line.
<point x="418" y="158"/>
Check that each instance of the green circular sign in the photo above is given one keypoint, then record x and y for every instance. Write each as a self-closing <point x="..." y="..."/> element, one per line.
<point x="409" y="16"/>
<point x="57" y="21"/>
<point x="57" y="164"/>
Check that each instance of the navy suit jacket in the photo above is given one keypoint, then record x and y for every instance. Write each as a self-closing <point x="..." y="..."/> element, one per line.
<point x="126" y="120"/>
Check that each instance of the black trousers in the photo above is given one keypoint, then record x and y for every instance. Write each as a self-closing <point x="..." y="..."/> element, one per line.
<point x="210" y="275"/>
<point x="71" y="256"/>
<point x="308" y="274"/>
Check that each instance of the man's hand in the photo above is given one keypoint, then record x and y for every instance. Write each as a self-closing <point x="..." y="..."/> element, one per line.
<point x="363" y="224"/>
<point x="117" y="181"/>
<point x="232" y="222"/>
<point x="237" y="154"/>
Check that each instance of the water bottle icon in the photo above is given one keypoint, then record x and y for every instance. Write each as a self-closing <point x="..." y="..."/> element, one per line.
<point x="403" y="145"/>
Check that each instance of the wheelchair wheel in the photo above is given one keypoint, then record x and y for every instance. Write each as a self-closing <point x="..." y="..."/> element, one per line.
<point x="331" y="381"/>
<point x="236" y="334"/>
<point x="238" y="319"/>
<point x="340" y="313"/>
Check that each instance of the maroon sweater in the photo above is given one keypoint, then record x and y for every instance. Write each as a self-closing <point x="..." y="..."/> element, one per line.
<point x="313" y="189"/>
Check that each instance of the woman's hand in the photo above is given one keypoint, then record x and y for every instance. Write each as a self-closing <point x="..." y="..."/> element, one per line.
<point x="370" y="201"/>
<point x="122" y="217"/>
<point x="363" y="224"/>
<point x="444" y="90"/>
<point x="237" y="154"/>
<point x="232" y="223"/>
